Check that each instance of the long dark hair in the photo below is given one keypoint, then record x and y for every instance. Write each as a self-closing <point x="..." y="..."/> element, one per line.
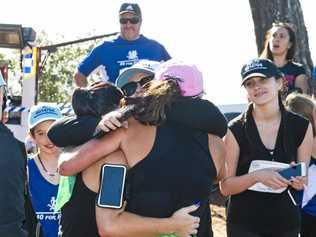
<point x="150" y="107"/>
<point x="266" y="52"/>
<point x="287" y="140"/>
<point x="97" y="100"/>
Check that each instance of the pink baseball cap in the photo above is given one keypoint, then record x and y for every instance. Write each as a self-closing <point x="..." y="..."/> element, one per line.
<point x="189" y="77"/>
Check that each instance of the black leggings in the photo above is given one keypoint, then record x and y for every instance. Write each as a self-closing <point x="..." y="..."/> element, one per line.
<point x="308" y="228"/>
<point x="239" y="231"/>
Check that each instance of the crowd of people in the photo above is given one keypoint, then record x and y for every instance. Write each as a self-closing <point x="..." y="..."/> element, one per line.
<point x="148" y="115"/>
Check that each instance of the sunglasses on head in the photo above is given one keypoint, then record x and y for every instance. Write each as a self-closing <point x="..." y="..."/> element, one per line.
<point x="131" y="87"/>
<point x="133" y="20"/>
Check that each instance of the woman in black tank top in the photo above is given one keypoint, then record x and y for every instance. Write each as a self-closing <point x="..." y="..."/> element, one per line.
<point x="268" y="132"/>
<point x="171" y="167"/>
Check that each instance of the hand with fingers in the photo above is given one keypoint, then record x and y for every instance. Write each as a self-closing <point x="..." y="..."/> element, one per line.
<point x="271" y="178"/>
<point x="298" y="182"/>
<point x="186" y="224"/>
<point x="111" y="121"/>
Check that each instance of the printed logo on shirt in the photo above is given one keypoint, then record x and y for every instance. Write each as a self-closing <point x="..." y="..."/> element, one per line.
<point x="50" y="215"/>
<point x="52" y="204"/>
<point x="132" y="55"/>
<point x="132" y="58"/>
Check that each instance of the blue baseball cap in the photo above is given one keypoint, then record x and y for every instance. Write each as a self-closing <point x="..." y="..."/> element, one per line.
<point x="41" y="113"/>
<point x="146" y="66"/>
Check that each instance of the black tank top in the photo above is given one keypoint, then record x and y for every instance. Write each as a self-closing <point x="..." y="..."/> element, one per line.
<point x="258" y="211"/>
<point x="177" y="172"/>
<point x="78" y="215"/>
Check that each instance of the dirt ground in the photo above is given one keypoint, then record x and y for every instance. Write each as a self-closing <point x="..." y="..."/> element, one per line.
<point x="218" y="221"/>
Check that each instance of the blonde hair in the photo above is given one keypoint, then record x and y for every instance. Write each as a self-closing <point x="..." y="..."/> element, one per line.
<point x="303" y="105"/>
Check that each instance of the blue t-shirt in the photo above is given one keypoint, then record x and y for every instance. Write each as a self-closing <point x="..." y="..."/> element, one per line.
<point x="117" y="54"/>
<point x="43" y="197"/>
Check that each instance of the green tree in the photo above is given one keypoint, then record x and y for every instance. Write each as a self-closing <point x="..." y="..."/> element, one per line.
<point x="55" y="79"/>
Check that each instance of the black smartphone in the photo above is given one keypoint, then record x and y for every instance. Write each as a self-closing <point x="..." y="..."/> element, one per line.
<point x="293" y="171"/>
<point x="111" y="186"/>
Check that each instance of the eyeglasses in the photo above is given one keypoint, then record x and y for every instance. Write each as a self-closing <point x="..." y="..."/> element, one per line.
<point x="131" y="87"/>
<point x="133" y="20"/>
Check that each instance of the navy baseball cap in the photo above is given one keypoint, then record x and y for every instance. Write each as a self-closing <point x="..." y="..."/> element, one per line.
<point x="259" y="68"/>
<point x="130" y="7"/>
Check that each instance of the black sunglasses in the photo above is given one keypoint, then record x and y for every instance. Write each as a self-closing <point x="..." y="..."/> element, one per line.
<point x="133" y="20"/>
<point x="131" y="87"/>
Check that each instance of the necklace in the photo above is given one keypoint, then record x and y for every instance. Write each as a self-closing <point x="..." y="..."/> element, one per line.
<point x="44" y="168"/>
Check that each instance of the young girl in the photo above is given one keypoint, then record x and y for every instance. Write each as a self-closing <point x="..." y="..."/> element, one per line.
<point x="266" y="131"/>
<point x="305" y="106"/>
<point x="42" y="168"/>
<point x="280" y="46"/>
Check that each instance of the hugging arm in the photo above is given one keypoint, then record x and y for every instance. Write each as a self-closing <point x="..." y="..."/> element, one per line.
<point x="120" y="223"/>
<point x="198" y="114"/>
<point x="73" y="131"/>
<point x="91" y="152"/>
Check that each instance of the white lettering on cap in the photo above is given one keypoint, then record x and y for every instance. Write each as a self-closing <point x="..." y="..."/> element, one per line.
<point x="254" y="66"/>
<point x="130" y="8"/>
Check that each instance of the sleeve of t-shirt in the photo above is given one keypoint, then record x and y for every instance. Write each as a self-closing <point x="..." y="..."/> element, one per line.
<point x="73" y="131"/>
<point x="165" y="55"/>
<point x="91" y="61"/>
<point x="198" y="114"/>
<point x="300" y="70"/>
<point x="12" y="186"/>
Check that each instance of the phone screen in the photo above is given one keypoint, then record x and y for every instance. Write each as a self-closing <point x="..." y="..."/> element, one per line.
<point x="112" y="186"/>
<point x="292" y="171"/>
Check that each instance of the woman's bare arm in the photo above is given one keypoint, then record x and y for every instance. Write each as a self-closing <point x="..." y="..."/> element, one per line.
<point x="91" y="152"/>
<point x="119" y="223"/>
<point x="304" y="153"/>
<point x="218" y="153"/>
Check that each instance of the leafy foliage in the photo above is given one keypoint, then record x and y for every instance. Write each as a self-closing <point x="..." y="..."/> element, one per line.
<point x="55" y="83"/>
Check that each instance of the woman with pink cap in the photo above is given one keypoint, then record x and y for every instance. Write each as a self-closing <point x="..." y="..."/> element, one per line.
<point x="171" y="166"/>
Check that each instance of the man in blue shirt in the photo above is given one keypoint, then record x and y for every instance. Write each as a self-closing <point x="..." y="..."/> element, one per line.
<point x="123" y="50"/>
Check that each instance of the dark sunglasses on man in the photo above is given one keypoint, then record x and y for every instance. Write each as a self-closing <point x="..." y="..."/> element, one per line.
<point x="132" y="20"/>
<point x="131" y="87"/>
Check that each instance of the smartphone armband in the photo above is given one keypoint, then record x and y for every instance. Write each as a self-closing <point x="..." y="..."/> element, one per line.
<point x="111" y="186"/>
